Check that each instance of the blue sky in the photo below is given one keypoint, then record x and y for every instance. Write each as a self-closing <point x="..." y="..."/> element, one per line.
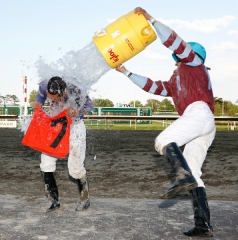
<point x="51" y="28"/>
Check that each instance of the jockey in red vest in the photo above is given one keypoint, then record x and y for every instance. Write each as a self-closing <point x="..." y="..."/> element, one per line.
<point x="191" y="91"/>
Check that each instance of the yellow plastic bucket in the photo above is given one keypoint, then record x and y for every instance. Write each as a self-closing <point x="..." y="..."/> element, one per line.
<point x="124" y="38"/>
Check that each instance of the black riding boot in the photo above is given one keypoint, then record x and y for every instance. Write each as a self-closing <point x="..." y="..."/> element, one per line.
<point x="84" y="201"/>
<point x="201" y="214"/>
<point x="51" y="190"/>
<point x="184" y="180"/>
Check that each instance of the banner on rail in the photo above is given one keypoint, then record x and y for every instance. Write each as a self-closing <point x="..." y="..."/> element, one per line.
<point x="8" y="124"/>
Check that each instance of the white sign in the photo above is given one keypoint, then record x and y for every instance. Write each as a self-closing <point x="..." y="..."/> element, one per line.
<point x="8" y="124"/>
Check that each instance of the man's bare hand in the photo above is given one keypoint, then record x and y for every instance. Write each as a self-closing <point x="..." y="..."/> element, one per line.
<point x="35" y="105"/>
<point x="140" y="10"/>
<point x="121" y="69"/>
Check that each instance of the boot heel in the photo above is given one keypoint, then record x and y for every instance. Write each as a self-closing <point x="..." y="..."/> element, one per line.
<point x="55" y="205"/>
<point x="173" y="191"/>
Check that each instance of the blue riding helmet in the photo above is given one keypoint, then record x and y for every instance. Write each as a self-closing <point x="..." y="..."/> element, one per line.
<point x="197" y="48"/>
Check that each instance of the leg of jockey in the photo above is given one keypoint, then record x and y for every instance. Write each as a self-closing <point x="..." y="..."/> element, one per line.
<point x="76" y="163"/>
<point x="51" y="190"/>
<point x="201" y="214"/>
<point x="184" y="180"/>
<point x="84" y="200"/>
<point x="48" y="167"/>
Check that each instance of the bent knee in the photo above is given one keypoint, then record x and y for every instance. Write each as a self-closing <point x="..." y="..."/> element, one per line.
<point x="159" y="145"/>
<point x="48" y="163"/>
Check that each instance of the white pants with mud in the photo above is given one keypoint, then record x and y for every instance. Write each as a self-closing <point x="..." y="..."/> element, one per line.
<point x="195" y="128"/>
<point x="76" y="154"/>
<point x="75" y="165"/>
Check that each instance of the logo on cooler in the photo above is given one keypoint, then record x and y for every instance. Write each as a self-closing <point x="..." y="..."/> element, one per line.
<point x="113" y="57"/>
<point x="129" y="44"/>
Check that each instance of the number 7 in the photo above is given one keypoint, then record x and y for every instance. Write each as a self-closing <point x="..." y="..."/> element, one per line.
<point x="62" y="132"/>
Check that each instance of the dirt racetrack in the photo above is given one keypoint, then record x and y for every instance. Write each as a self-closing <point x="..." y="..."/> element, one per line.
<point x="120" y="164"/>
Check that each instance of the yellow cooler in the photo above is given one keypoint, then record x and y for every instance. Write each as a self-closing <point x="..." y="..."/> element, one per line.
<point x="124" y="38"/>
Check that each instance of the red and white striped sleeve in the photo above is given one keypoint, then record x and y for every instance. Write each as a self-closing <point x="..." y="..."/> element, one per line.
<point x="148" y="85"/>
<point x="171" y="40"/>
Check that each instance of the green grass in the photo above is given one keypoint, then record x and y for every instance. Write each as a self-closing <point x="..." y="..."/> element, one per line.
<point x="138" y="126"/>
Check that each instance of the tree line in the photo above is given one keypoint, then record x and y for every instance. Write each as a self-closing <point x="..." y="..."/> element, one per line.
<point x="9" y="100"/>
<point x="222" y="107"/>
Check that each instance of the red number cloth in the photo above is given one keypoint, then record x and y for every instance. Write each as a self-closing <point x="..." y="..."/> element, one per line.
<point x="47" y="134"/>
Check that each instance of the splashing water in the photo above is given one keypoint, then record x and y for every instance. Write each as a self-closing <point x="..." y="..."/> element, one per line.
<point x="82" y="68"/>
<point x="24" y="124"/>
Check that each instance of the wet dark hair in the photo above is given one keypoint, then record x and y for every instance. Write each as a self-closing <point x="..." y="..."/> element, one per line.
<point x="56" y="85"/>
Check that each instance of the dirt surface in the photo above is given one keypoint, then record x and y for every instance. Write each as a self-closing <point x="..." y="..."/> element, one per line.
<point x="120" y="164"/>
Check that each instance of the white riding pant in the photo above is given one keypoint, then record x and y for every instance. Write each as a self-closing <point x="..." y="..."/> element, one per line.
<point x="76" y="153"/>
<point x="195" y="128"/>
